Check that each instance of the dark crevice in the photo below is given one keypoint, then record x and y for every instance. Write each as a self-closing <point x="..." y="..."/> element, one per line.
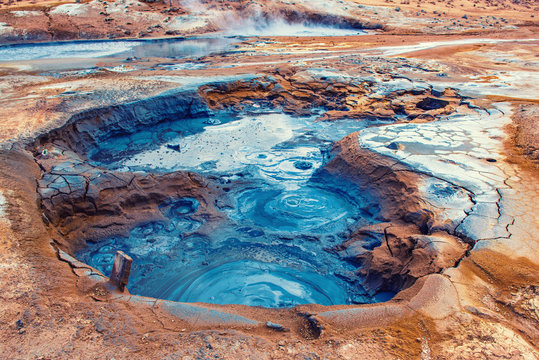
<point x="387" y="241"/>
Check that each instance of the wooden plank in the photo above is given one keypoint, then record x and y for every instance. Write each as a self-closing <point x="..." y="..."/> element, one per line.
<point x="121" y="270"/>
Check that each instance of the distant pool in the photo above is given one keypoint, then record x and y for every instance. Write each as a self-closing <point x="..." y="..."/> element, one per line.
<point x="164" y="48"/>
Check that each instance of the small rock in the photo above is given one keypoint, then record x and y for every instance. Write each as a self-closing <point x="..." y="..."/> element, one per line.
<point x="303" y="165"/>
<point x="99" y="328"/>
<point x="276" y="327"/>
<point x="429" y="103"/>
<point x="175" y="147"/>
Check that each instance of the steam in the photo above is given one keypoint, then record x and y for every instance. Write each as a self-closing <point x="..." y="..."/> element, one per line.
<point x="259" y="21"/>
<point x="194" y="6"/>
<point x="280" y="27"/>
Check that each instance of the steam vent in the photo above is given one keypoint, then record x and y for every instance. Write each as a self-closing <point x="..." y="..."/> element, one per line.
<point x="269" y="179"/>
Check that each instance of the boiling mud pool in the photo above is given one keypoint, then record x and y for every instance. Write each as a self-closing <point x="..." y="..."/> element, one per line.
<point x="282" y="215"/>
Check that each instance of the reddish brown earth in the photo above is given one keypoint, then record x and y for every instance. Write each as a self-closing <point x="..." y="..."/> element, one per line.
<point x="298" y="92"/>
<point x="419" y="17"/>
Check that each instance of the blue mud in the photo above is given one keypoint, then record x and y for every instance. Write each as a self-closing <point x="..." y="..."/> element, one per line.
<point x="284" y="214"/>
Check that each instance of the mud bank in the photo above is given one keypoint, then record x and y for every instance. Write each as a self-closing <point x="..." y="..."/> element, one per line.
<point x="302" y="92"/>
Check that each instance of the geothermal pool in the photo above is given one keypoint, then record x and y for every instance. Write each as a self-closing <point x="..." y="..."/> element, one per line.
<point x="166" y="48"/>
<point x="282" y="214"/>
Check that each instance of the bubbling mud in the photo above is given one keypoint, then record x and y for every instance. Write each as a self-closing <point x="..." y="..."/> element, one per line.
<point x="281" y="214"/>
<point x="306" y="209"/>
<point x="257" y="283"/>
<point x="238" y="265"/>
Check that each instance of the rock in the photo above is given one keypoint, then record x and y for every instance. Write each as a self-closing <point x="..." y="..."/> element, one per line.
<point x="303" y="165"/>
<point x="276" y="327"/>
<point x="431" y="104"/>
<point x="393" y="146"/>
<point x="175" y="147"/>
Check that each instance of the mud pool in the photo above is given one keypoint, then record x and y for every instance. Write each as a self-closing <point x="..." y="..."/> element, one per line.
<point x="282" y="214"/>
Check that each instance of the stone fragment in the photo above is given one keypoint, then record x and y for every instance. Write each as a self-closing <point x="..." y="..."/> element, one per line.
<point x="276" y="327"/>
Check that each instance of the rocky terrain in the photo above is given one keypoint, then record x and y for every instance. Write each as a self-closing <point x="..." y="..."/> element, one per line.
<point x="380" y="156"/>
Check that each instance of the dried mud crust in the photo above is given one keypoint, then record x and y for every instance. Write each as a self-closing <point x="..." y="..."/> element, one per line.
<point x="301" y="92"/>
<point x="406" y="251"/>
<point x="524" y="136"/>
<point x="85" y="202"/>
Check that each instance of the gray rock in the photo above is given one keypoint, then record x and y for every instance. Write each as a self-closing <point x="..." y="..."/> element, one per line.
<point x="276" y="327"/>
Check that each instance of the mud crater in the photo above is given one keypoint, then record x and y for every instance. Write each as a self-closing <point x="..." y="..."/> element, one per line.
<point x="279" y="213"/>
<point x="214" y="205"/>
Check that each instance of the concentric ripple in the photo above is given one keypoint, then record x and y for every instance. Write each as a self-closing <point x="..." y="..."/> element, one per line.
<point x="306" y="209"/>
<point x="291" y="164"/>
<point x="254" y="283"/>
